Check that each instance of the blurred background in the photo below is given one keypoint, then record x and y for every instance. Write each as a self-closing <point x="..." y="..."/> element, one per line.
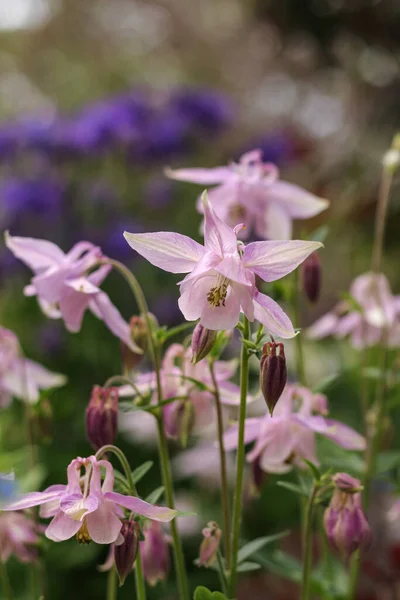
<point x="97" y="98"/>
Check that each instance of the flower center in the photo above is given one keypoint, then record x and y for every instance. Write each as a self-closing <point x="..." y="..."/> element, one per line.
<point x="217" y="294"/>
<point x="83" y="536"/>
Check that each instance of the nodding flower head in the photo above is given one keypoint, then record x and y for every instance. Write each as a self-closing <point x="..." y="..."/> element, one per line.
<point x="101" y="416"/>
<point x="273" y="373"/>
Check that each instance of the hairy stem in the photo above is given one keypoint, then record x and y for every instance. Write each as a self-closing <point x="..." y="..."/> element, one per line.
<point x="307" y="546"/>
<point x="237" y="502"/>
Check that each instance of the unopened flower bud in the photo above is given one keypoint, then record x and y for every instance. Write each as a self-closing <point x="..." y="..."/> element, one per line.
<point x="345" y="522"/>
<point x="154" y="551"/>
<point x="125" y="553"/>
<point x="210" y="544"/>
<point x="101" y="416"/>
<point x="179" y="419"/>
<point x="139" y="335"/>
<point x="312" y="277"/>
<point x="203" y="340"/>
<point x="273" y="373"/>
<point x="258" y="478"/>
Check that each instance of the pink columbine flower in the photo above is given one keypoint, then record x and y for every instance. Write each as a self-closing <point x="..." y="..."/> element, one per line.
<point x="250" y="191"/>
<point x="19" y="537"/>
<point x="20" y="377"/>
<point x="177" y="373"/>
<point x="288" y="437"/>
<point x="154" y="551"/>
<point x="221" y="274"/>
<point x="378" y="310"/>
<point x="66" y="285"/>
<point x="86" y="507"/>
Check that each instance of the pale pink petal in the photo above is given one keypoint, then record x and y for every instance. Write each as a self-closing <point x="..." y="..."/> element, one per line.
<point x="50" y="508"/>
<point x="33" y="499"/>
<point x="305" y="448"/>
<point x="98" y="276"/>
<point x="37" y="254"/>
<point x="225" y="369"/>
<point x="194" y="297"/>
<point x="101" y="305"/>
<point x="270" y="314"/>
<point x="276" y="223"/>
<point x="172" y="252"/>
<point x="156" y="513"/>
<point x="201" y="176"/>
<point x="73" y="306"/>
<point x="230" y="393"/>
<point x="27" y="378"/>
<point x="232" y="268"/>
<point x="273" y="260"/>
<point x="76" y="506"/>
<point x="82" y="285"/>
<point x="222" y="317"/>
<point x="252" y="429"/>
<point x="202" y="268"/>
<point x="50" y="284"/>
<point x="103" y="525"/>
<point x="299" y="203"/>
<point x="323" y="327"/>
<point x="62" y="528"/>
<point x="252" y="156"/>
<point x="218" y="236"/>
<point x="245" y="296"/>
<point x="77" y="250"/>
<point x="338" y="432"/>
<point x="347" y="324"/>
<point x="109" y="562"/>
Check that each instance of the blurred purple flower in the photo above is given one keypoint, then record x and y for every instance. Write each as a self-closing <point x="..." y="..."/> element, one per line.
<point x="277" y="147"/>
<point x="207" y="109"/>
<point x="41" y="197"/>
<point x="113" y="241"/>
<point x="158" y="192"/>
<point x="165" y="135"/>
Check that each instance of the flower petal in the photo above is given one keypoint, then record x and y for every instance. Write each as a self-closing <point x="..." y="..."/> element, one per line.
<point x="273" y="260"/>
<point x="103" y="524"/>
<point x="338" y="432"/>
<point x="33" y="499"/>
<point x="201" y="176"/>
<point x="150" y="511"/>
<point x="276" y="223"/>
<point x="252" y="429"/>
<point x="222" y="317"/>
<point x="37" y="254"/>
<point x="62" y="528"/>
<point x="218" y="236"/>
<point x="323" y="327"/>
<point x="299" y="203"/>
<point x="172" y="252"/>
<point x="73" y="305"/>
<point x="102" y="307"/>
<point x="270" y="314"/>
<point x="232" y="267"/>
<point x="76" y="506"/>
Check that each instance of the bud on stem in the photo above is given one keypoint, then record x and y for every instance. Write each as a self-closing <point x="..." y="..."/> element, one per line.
<point x="125" y="553"/>
<point x="203" y="341"/>
<point x="210" y="544"/>
<point x="101" y="416"/>
<point x="273" y="374"/>
<point x="312" y="276"/>
<point x="139" y="335"/>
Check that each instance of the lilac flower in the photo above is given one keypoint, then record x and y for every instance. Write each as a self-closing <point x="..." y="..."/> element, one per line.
<point x="177" y="373"/>
<point x="86" y="507"/>
<point x="66" y="285"/>
<point x="374" y="310"/>
<point x="19" y="537"/>
<point x="20" y="377"/>
<point x="250" y="191"/>
<point x="288" y="437"/>
<point x="221" y="275"/>
<point x="154" y="551"/>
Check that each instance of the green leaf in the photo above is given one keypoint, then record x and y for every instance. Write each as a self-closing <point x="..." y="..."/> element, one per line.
<point x="353" y="303"/>
<point x="292" y="487"/>
<point x="248" y="566"/>
<point x="141" y="471"/>
<point x="203" y="593"/>
<point x="319" y="234"/>
<point x="315" y="471"/>
<point x="255" y="545"/>
<point x="387" y="461"/>
<point x="155" y="495"/>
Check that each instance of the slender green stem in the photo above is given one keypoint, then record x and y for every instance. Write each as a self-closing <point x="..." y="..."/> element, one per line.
<point x="222" y="576"/>
<point x="162" y="440"/>
<point x="112" y="584"/>
<point x="380" y="219"/>
<point x="139" y="579"/>
<point x="5" y="582"/>
<point x="307" y="546"/>
<point x="223" y="469"/>
<point x="354" y="573"/>
<point x="123" y="379"/>
<point x="237" y="502"/>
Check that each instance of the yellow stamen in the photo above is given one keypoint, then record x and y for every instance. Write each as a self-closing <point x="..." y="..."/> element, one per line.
<point x="83" y="536"/>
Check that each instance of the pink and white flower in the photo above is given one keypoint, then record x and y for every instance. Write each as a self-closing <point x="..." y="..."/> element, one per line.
<point x="86" y="507"/>
<point x="221" y="274"/>
<point x="20" y="377"/>
<point x="250" y="191"/>
<point x="378" y="312"/>
<point x="66" y="285"/>
<point x="19" y="537"/>
<point x="288" y="437"/>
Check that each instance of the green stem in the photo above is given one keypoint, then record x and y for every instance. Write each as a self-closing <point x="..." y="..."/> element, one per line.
<point x="112" y="584"/>
<point x="354" y="573"/>
<point x="224" y="476"/>
<point x="237" y="502"/>
<point x="221" y="571"/>
<point x="5" y="582"/>
<point x="162" y="440"/>
<point x="380" y="219"/>
<point x="123" y="379"/>
<point x="307" y="546"/>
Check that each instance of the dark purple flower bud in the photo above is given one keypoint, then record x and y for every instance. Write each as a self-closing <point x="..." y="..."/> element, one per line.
<point x="258" y="477"/>
<point x="345" y="523"/>
<point x="139" y="335"/>
<point x="210" y="544"/>
<point x="154" y="552"/>
<point x="125" y="553"/>
<point x="312" y="276"/>
<point x="101" y="416"/>
<point x="203" y="340"/>
<point x="273" y="374"/>
<point x="179" y="419"/>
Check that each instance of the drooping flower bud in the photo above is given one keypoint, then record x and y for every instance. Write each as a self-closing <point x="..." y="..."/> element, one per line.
<point x="139" y="335"/>
<point x="125" y="553"/>
<point x="273" y="374"/>
<point x="312" y="277"/>
<point x="203" y="340"/>
<point x="179" y="420"/>
<point x="210" y="544"/>
<point x="101" y="416"/>
<point x="345" y="523"/>
<point x="154" y="552"/>
<point x="258" y="478"/>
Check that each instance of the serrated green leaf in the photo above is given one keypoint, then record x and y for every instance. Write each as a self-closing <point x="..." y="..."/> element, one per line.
<point x="141" y="471"/>
<point x="255" y="545"/>
<point x="155" y="495"/>
<point x="292" y="487"/>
